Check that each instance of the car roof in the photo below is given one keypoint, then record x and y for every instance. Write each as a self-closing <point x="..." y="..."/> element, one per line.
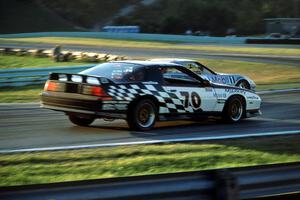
<point x="172" y="60"/>
<point x="149" y="63"/>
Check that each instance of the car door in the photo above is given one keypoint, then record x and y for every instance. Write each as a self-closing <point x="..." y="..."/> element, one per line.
<point x="193" y="94"/>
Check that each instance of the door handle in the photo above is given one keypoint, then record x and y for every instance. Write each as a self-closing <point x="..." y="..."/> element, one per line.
<point x="172" y="90"/>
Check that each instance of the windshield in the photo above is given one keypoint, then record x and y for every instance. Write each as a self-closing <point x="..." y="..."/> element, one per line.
<point x="118" y="72"/>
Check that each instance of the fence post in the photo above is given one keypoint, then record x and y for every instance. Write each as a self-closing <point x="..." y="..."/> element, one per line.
<point x="226" y="185"/>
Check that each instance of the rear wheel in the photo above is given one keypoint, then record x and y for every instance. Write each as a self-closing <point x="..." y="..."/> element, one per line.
<point x="81" y="121"/>
<point x="234" y="110"/>
<point x="142" y="116"/>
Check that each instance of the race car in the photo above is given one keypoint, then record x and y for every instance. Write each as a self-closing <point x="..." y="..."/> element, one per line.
<point x="142" y="93"/>
<point x="215" y="77"/>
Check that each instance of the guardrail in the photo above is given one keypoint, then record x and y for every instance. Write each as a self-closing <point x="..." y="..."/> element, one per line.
<point x="273" y="41"/>
<point x="31" y="76"/>
<point x="226" y="184"/>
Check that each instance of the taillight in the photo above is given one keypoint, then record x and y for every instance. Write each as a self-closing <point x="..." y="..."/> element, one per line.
<point x="50" y="86"/>
<point x="96" y="91"/>
<point x="54" y="86"/>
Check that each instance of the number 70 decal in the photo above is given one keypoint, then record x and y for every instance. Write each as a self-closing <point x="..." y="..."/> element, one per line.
<point x="192" y="99"/>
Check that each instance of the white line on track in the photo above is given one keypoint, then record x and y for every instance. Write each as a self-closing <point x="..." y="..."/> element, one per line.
<point x="192" y="139"/>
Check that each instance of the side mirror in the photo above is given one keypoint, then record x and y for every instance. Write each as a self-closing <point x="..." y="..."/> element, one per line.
<point x="206" y="83"/>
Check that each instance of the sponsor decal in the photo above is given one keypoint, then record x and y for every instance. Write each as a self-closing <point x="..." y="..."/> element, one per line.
<point x="219" y="79"/>
<point x="220" y="95"/>
<point x="233" y="90"/>
<point x="208" y="89"/>
<point x="150" y="82"/>
<point x="253" y="97"/>
<point x="121" y="106"/>
<point x="221" y="101"/>
<point x="114" y="106"/>
<point x="108" y="107"/>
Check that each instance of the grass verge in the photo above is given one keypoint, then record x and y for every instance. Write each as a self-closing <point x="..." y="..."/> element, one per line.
<point x="154" y="45"/>
<point x="261" y="73"/>
<point x="10" y="61"/>
<point x="266" y="76"/>
<point x="264" y="87"/>
<point x="31" y="93"/>
<point x="20" y="94"/>
<point x="46" y="167"/>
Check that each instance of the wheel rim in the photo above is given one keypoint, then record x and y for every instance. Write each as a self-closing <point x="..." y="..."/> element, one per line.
<point x="243" y="84"/>
<point x="145" y="115"/>
<point x="236" y="110"/>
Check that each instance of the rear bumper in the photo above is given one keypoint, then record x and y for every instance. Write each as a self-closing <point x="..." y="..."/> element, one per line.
<point x="70" y="103"/>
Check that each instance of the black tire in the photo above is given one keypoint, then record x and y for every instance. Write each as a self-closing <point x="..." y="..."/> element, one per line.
<point x="234" y="110"/>
<point x="142" y="116"/>
<point x="243" y="84"/>
<point x="80" y="121"/>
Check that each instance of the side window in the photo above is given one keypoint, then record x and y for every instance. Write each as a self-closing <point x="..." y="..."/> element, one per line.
<point x="138" y="75"/>
<point x="194" y="68"/>
<point x="155" y="75"/>
<point x="173" y="76"/>
<point x="197" y="68"/>
<point x="206" y="71"/>
<point x="203" y="69"/>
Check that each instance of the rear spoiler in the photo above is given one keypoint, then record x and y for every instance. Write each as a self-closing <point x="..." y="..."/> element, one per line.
<point x="79" y="78"/>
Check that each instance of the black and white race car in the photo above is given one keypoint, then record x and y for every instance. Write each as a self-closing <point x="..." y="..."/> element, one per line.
<point x="215" y="77"/>
<point x="142" y="93"/>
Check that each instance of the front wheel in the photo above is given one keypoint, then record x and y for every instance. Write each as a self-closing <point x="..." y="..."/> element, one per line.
<point x="234" y="110"/>
<point x="142" y="116"/>
<point x="243" y="84"/>
<point x="80" y="121"/>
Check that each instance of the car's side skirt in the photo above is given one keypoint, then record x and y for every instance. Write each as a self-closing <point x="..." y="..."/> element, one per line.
<point x="187" y="116"/>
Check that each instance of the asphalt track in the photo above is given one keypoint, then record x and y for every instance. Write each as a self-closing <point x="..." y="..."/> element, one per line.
<point x="24" y="126"/>
<point x="151" y="53"/>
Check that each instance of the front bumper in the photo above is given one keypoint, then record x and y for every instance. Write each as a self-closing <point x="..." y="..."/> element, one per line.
<point x="253" y="113"/>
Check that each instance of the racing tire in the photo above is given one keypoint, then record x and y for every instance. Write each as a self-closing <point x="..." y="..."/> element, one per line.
<point x="234" y="110"/>
<point x="142" y="116"/>
<point x="80" y="121"/>
<point x="243" y="84"/>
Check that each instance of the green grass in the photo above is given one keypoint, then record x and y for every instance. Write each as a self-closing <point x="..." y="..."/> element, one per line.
<point x="20" y="94"/>
<point x="277" y="86"/>
<point x="27" y="94"/>
<point x="154" y="45"/>
<point x="261" y="73"/>
<point x="10" y="61"/>
<point x="46" y="167"/>
<point x="266" y="76"/>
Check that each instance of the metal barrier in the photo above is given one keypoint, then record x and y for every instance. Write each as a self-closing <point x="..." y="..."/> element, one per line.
<point x="222" y="184"/>
<point x="31" y="76"/>
<point x="273" y="41"/>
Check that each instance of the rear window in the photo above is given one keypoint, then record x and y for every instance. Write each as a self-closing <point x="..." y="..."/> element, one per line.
<point x="117" y="72"/>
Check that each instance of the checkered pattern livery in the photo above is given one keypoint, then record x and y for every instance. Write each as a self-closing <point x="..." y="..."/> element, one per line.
<point x="169" y="102"/>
